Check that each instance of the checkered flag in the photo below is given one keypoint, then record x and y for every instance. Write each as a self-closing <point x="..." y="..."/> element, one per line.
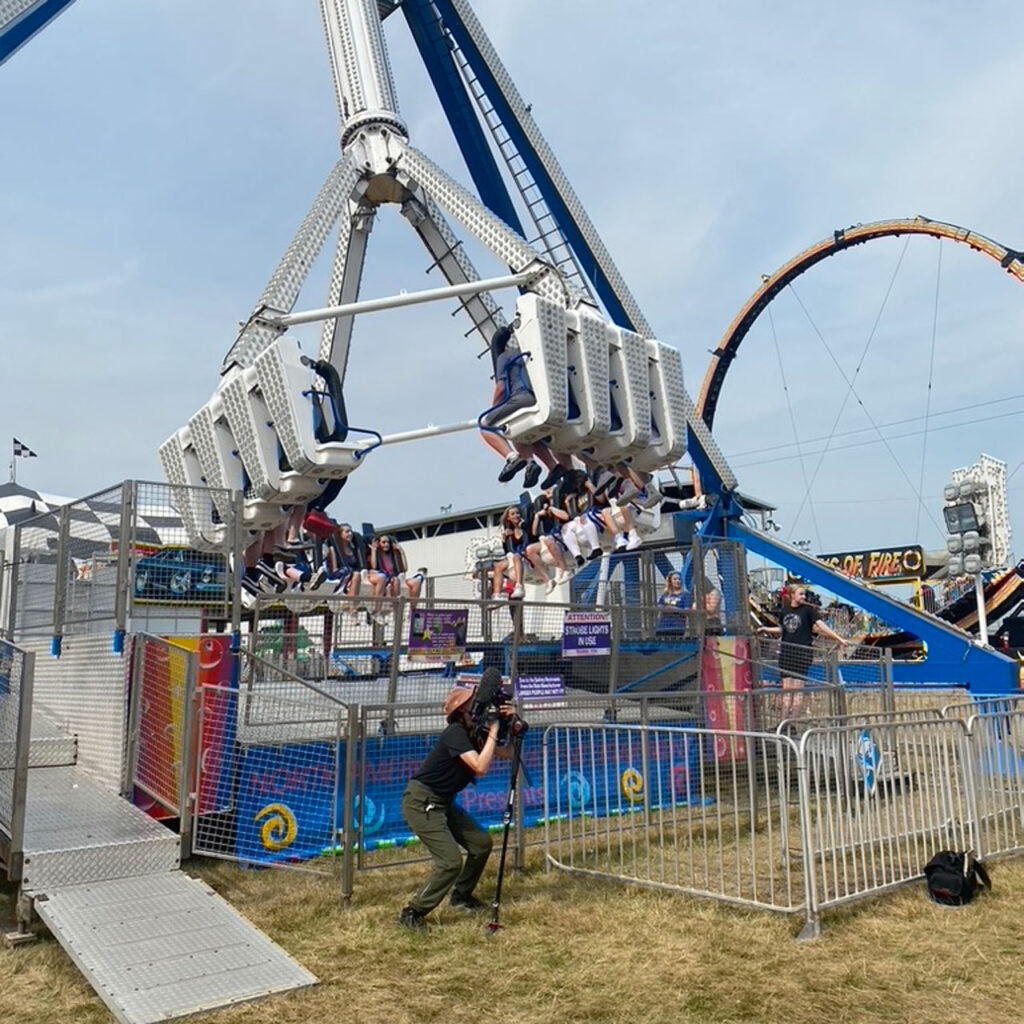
<point x="22" y="451"/>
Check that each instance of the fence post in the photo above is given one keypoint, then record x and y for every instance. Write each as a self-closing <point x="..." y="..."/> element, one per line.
<point x="124" y="562"/>
<point x="22" y="750"/>
<point x="812" y="919"/>
<point x="188" y="788"/>
<point x="888" y="689"/>
<point x="60" y="580"/>
<point x="353" y="740"/>
<point x="613" y="657"/>
<point x="12" y="583"/>
<point x="388" y="723"/>
<point x="136" y="681"/>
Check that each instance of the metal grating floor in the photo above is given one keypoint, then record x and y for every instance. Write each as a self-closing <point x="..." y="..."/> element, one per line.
<point x="77" y="830"/>
<point x="161" y="947"/>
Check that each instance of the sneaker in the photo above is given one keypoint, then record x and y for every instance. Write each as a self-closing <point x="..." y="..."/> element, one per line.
<point x="412" y="919"/>
<point x="633" y="542"/>
<point x="553" y="477"/>
<point x="532" y="475"/>
<point x="594" y="555"/>
<point x="317" y="578"/>
<point x="620" y="542"/>
<point x="580" y="561"/>
<point x="517" y="593"/>
<point x="550" y="585"/>
<point x="470" y="904"/>
<point x="248" y="599"/>
<point x="562" y="576"/>
<point x="512" y="466"/>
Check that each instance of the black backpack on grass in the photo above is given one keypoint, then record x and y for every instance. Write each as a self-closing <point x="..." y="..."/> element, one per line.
<point x="954" y="879"/>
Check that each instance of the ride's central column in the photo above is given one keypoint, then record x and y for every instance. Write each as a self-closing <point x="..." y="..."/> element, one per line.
<point x="363" y="84"/>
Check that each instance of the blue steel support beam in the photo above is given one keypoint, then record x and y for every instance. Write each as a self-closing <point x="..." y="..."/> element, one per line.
<point x="953" y="657"/>
<point x="570" y="229"/>
<point x="22" y="28"/>
<point x="432" y="44"/>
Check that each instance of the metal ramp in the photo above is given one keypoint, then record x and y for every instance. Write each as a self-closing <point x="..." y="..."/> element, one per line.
<point x="160" y="947"/>
<point x="155" y="944"/>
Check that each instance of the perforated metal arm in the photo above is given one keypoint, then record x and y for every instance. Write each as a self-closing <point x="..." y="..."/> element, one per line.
<point x="286" y="282"/>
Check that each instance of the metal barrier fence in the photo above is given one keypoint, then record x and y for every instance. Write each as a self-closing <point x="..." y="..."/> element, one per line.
<point x="661" y="807"/>
<point x="16" y="677"/>
<point x="395" y="738"/>
<point x="84" y="693"/>
<point x="118" y="556"/>
<point x="996" y="737"/>
<point x="162" y="691"/>
<point x="838" y="810"/>
<point x="273" y="772"/>
<point x="877" y="802"/>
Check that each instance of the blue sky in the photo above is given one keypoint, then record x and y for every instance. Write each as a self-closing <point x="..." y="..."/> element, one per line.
<point x="157" y="158"/>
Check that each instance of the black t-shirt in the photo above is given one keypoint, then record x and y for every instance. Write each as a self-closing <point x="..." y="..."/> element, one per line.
<point x="798" y="624"/>
<point x="443" y="771"/>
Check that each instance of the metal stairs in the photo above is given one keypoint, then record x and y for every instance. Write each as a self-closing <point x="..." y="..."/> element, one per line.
<point x="155" y="944"/>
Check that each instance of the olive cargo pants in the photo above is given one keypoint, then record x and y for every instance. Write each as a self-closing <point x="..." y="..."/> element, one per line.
<point x="443" y="828"/>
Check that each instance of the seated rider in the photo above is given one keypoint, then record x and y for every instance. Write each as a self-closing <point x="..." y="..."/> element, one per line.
<point x="546" y="525"/>
<point x="344" y="563"/>
<point x="514" y="542"/>
<point x="512" y="392"/>
<point x="574" y="496"/>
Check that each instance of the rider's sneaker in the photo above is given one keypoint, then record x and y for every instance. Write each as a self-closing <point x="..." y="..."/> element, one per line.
<point x="513" y="464"/>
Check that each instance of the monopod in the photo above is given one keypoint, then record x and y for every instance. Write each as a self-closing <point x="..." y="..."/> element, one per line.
<point x="506" y="820"/>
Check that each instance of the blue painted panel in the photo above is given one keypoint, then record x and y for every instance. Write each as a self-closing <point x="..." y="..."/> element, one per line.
<point x="19" y="32"/>
<point x="458" y="107"/>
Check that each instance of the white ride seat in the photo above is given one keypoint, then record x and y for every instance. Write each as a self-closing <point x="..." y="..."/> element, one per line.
<point x="586" y="382"/>
<point x="190" y="496"/>
<point x="629" y="393"/>
<point x="256" y="442"/>
<point x="542" y="341"/>
<point x="668" y="411"/>
<point x="287" y="385"/>
<point x="211" y="437"/>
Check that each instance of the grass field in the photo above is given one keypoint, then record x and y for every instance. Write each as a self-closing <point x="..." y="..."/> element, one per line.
<point x="583" y="951"/>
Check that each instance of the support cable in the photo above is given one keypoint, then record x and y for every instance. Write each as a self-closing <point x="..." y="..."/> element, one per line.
<point x="895" y="437"/>
<point x="928" y="392"/>
<point x="852" y="390"/>
<point x="890" y="423"/>
<point x="792" y="423"/>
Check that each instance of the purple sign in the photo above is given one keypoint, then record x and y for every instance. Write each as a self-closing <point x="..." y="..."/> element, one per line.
<point x="438" y="633"/>
<point x="586" y="634"/>
<point x="537" y="689"/>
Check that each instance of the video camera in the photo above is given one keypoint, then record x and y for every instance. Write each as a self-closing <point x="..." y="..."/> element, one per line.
<point x="491" y="695"/>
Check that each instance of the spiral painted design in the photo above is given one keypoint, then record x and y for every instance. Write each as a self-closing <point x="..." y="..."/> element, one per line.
<point x="279" y="827"/>
<point x="364" y="822"/>
<point x="577" y="789"/>
<point x="632" y="783"/>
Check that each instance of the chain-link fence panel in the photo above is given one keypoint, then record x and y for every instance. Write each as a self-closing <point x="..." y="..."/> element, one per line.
<point x="34" y="576"/>
<point x="181" y="581"/>
<point x="84" y="693"/>
<point x="271" y="771"/>
<point x="16" y="678"/>
<point x="88" y="588"/>
<point x="163" y="679"/>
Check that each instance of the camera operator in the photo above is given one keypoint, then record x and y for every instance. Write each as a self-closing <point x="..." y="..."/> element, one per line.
<point x="430" y="810"/>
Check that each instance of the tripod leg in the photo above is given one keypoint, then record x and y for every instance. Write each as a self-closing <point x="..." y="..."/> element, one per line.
<point x="506" y="820"/>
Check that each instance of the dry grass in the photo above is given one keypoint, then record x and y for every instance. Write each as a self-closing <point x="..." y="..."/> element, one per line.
<point x="584" y="951"/>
